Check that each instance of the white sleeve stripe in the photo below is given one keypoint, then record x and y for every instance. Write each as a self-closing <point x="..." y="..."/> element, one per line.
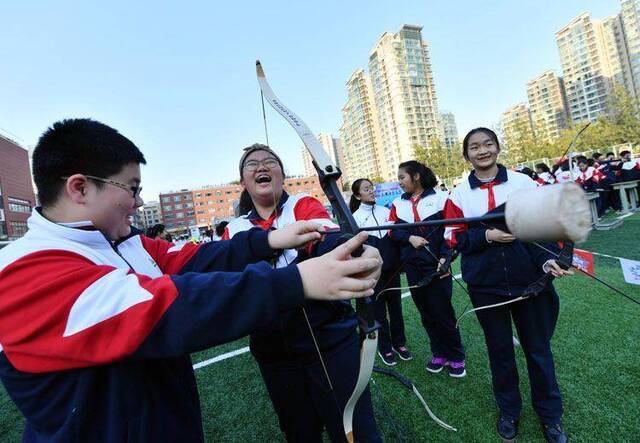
<point x="107" y="297"/>
<point x="324" y="222"/>
<point x="176" y="248"/>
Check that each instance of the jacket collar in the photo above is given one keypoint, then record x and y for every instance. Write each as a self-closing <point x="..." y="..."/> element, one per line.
<point x="82" y="232"/>
<point x="254" y="216"/>
<point x="501" y="177"/>
<point x="426" y="192"/>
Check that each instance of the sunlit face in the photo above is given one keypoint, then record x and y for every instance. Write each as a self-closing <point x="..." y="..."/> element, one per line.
<point x="262" y="176"/>
<point x="583" y="166"/>
<point x="482" y="151"/>
<point x="406" y="182"/>
<point x="112" y="208"/>
<point x="539" y="171"/>
<point x="366" y="193"/>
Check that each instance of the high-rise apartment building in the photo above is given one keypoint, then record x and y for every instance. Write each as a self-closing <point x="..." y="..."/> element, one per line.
<point x="360" y="134"/>
<point x="448" y="130"/>
<point x="547" y="104"/>
<point x="586" y="67"/>
<point x="516" y="124"/>
<point x="616" y="57"/>
<point x="404" y="95"/>
<point x="630" y="15"/>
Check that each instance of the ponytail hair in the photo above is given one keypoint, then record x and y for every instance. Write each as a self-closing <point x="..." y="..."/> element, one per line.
<point x="354" y="202"/>
<point x="428" y="179"/>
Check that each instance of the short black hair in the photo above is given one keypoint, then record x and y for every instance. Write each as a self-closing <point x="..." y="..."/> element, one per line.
<point x="428" y="179"/>
<point x="79" y="146"/>
<point x="542" y="166"/>
<point x="625" y="152"/>
<point x="220" y="227"/>
<point x="465" y="143"/>
<point x="596" y="155"/>
<point x="610" y="153"/>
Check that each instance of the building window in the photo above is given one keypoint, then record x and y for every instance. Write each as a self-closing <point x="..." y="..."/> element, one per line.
<point x="167" y="208"/>
<point x="176" y="198"/>
<point x="179" y="214"/>
<point x="19" y="205"/>
<point x="166" y="199"/>
<point x="18" y="228"/>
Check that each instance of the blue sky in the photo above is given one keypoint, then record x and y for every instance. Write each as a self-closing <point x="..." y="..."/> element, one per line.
<point x="178" y="78"/>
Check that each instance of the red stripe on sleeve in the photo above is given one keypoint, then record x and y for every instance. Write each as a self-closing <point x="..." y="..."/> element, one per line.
<point x="451" y="210"/>
<point x="170" y="262"/>
<point x="45" y="291"/>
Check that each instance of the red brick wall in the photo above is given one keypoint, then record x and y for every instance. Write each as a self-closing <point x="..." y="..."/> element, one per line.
<point x="15" y="180"/>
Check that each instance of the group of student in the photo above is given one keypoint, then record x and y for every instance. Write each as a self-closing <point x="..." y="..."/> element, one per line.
<point x="595" y="174"/>
<point x="97" y="321"/>
<point x="495" y="266"/>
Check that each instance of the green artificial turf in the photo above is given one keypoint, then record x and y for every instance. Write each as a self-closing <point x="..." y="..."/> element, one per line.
<point x="596" y="354"/>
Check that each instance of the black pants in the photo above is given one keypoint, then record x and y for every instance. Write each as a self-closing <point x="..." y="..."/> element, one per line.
<point x="438" y="317"/>
<point x="305" y="406"/>
<point x="535" y="321"/>
<point x="391" y="330"/>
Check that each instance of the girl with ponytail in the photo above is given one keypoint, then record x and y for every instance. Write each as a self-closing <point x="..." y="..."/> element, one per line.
<point x="423" y="249"/>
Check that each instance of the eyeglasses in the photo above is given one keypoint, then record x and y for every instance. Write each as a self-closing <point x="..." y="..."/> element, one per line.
<point x="135" y="190"/>
<point x="252" y="165"/>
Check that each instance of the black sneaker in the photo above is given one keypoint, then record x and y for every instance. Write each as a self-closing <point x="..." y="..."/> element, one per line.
<point x="507" y="429"/>
<point x="554" y="433"/>
<point x="436" y="364"/>
<point x="387" y="358"/>
<point x="403" y="353"/>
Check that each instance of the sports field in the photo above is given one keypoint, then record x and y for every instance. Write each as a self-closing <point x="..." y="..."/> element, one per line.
<point x="596" y="348"/>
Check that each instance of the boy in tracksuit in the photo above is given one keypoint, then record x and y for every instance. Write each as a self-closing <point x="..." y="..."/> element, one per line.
<point x="97" y="321"/>
<point x="497" y="267"/>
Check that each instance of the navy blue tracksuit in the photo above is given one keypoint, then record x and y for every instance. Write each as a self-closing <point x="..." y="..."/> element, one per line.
<point x="496" y="272"/>
<point x="433" y="300"/>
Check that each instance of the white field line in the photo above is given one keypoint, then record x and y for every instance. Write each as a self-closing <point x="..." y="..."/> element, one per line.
<point x="246" y="348"/>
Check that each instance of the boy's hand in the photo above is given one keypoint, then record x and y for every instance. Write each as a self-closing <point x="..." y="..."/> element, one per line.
<point x="338" y="276"/>
<point x="295" y="235"/>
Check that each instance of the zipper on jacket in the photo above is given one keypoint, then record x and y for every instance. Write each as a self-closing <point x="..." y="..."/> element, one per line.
<point x="506" y="273"/>
<point x="115" y="249"/>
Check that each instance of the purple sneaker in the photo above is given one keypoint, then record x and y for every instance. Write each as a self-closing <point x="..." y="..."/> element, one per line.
<point x="456" y="369"/>
<point x="436" y="364"/>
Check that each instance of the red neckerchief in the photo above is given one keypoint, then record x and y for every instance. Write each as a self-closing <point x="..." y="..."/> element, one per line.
<point x="414" y="206"/>
<point x="491" y="197"/>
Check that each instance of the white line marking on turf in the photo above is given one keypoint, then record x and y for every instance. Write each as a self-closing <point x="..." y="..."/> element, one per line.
<point x="244" y="350"/>
<point x="221" y="357"/>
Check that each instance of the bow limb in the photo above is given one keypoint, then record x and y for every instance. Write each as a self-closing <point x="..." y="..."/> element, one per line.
<point x="329" y="174"/>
